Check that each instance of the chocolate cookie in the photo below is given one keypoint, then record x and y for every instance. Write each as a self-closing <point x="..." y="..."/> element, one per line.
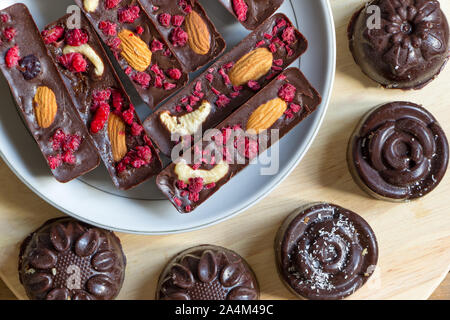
<point x="69" y="260"/>
<point x="398" y="152"/>
<point x="406" y="47"/>
<point x="325" y="252"/>
<point x="207" y="272"/>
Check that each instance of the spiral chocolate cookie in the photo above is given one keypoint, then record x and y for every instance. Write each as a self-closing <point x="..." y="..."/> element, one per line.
<point x="325" y="252"/>
<point x="400" y="43"/>
<point x="398" y="152"/>
<point x="69" y="260"/>
<point x="207" y="272"/>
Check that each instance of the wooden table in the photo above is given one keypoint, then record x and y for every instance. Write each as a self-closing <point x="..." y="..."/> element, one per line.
<point x="414" y="238"/>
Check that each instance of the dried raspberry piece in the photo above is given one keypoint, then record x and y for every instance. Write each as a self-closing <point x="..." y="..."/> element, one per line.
<point x="136" y="129"/>
<point x="295" y="107"/>
<point x="281" y="77"/>
<point x="75" y="62"/>
<point x="111" y="4"/>
<point x="158" y="82"/>
<point x="181" y="185"/>
<point x="157" y="70"/>
<point x="235" y="94"/>
<point x="144" y="153"/>
<point x="225" y="77"/>
<point x="139" y="30"/>
<point x="278" y="62"/>
<point x="58" y="139"/>
<point x="254" y="85"/>
<point x="249" y="146"/>
<point x="240" y="8"/>
<point x="108" y="28"/>
<point x="281" y="23"/>
<point x="167" y="53"/>
<point x="164" y="19"/>
<point x="274" y="31"/>
<point x="289" y="114"/>
<point x="100" y="118"/>
<point x="209" y="77"/>
<point x="53" y="35"/>
<point x="215" y="91"/>
<point x="189" y="108"/>
<point x="177" y="20"/>
<point x="260" y="43"/>
<point x="129" y="14"/>
<point x="177" y="201"/>
<point x="188" y="208"/>
<point x="114" y="43"/>
<point x="169" y="86"/>
<point x="287" y="92"/>
<point x="210" y="185"/>
<point x="101" y="95"/>
<point x="194" y="197"/>
<point x="76" y="37"/>
<point x="71" y="143"/>
<point x="156" y="45"/>
<point x="4" y="17"/>
<point x="185" y="6"/>
<point x="128" y="71"/>
<point x="128" y="116"/>
<point x="198" y="86"/>
<point x="273" y="48"/>
<point x="178" y="37"/>
<point x="268" y="36"/>
<point x="155" y="8"/>
<point x="174" y="74"/>
<point x="288" y="35"/>
<point x="12" y="57"/>
<point x="178" y="108"/>
<point x="54" y="161"/>
<point x="9" y="33"/>
<point x="148" y="141"/>
<point x="68" y="157"/>
<point x="142" y="78"/>
<point x="223" y="101"/>
<point x="117" y="100"/>
<point x="276" y="68"/>
<point x="290" y="51"/>
<point x="184" y="100"/>
<point x="193" y="100"/>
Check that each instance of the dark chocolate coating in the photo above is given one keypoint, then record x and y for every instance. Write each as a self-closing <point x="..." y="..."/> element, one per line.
<point x="162" y="136"/>
<point x="152" y="96"/>
<point x="29" y="42"/>
<point x="207" y="272"/>
<point x="190" y="60"/>
<point x="409" y="50"/>
<point x="325" y="252"/>
<point x="306" y="97"/>
<point x="258" y="11"/>
<point x="398" y="152"/>
<point x="69" y="260"/>
<point x="82" y="86"/>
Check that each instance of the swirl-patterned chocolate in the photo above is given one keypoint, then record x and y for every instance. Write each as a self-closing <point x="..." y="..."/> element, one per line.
<point x="325" y="252"/>
<point x="69" y="260"/>
<point x="207" y="273"/>
<point x="398" y="152"/>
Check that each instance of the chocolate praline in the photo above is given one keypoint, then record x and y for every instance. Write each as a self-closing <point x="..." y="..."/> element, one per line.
<point x="207" y="272"/>
<point x="398" y="152"/>
<point x="407" y="49"/>
<point x="325" y="252"/>
<point x="69" y="260"/>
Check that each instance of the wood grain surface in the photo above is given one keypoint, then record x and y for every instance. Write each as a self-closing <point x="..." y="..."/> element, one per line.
<point x="414" y="238"/>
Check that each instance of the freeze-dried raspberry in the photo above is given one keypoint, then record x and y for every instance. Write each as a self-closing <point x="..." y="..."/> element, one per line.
<point x="100" y="118"/>
<point x="157" y="70"/>
<point x="148" y="141"/>
<point x="101" y="95"/>
<point x="240" y="8"/>
<point x="164" y="19"/>
<point x="75" y="62"/>
<point x="281" y="23"/>
<point x="295" y="107"/>
<point x="117" y="100"/>
<point x="273" y="47"/>
<point x="254" y="85"/>
<point x="4" y="17"/>
<point x="158" y="82"/>
<point x="188" y="208"/>
<point x="281" y="77"/>
<point x="209" y="77"/>
<point x="185" y="6"/>
<point x="289" y="114"/>
<point x="9" y="33"/>
<point x="260" y="43"/>
<point x="155" y="8"/>
<point x="174" y="74"/>
<point x="177" y="201"/>
<point x="108" y="28"/>
<point x="111" y="4"/>
<point x="178" y="37"/>
<point x="225" y="77"/>
<point x="276" y="68"/>
<point x="128" y="71"/>
<point x="178" y="108"/>
<point x="235" y="94"/>
<point x="249" y="146"/>
<point x="279" y="42"/>
<point x="144" y="153"/>
<point x="287" y="92"/>
<point x="290" y="52"/>
<point x="68" y="157"/>
<point x="193" y="100"/>
<point x="274" y="31"/>
<point x="181" y="185"/>
<point x="54" y="161"/>
<point x="167" y="53"/>
<point x="189" y="108"/>
<point x="184" y="100"/>
<point x="76" y="37"/>
<point x="12" y="57"/>
<point x="169" y="86"/>
<point x="114" y="43"/>
<point x="58" y="139"/>
<point x="288" y="35"/>
<point x="136" y="129"/>
<point x="156" y="45"/>
<point x="228" y="65"/>
<point x="128" y="116"/>
<point x="222" y="101"/>
<point x="177" y="20"/>
<point x="278" y="62"/>
<point x="71" y="143"/>
<point x="142" y="78"/>
<point x="198" y="86"/>
<point x="268" y="36"/>
<point x="129" y="14"/>
<point x="139" y="30"/>
<point x="194" y="197"/>
<point x="53" y="35"/>
<point x="210" y="185"/>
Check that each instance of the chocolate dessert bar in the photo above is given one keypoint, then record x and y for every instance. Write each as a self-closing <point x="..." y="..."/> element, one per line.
<point x="102" y="102"/>
<point x="201" y="172"/>
<point x="228" y="83"/>
<point x="251" y="13"/>
<point x="187" y="29"/>
<point x="139" y="48"/>
<point x="41" y="97"/>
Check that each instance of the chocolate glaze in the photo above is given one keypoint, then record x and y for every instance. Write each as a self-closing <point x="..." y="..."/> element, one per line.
<point x="207" y="272"/>
<point x="398" y="152"/>
<point x="151" y="96"/>
<point x="258" y="11"/>
<point x="29" y="42"/>
<point x="68" y="260"/>
<point x="409" y="50"/>
<point x="325" y="252"/>
<point x="190" y="60"/>
<point x="82" y="86"/>
<point x="306" y="97"/>
<point x="162" y="136"/>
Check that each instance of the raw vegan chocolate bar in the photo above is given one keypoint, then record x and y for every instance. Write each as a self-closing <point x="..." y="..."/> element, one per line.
<point x="281" y="105"/>
<point x="139" y="48"/>
<point x="42" y="98"/>
<point x="187" y="29"/>
<point x="229" y="83"/>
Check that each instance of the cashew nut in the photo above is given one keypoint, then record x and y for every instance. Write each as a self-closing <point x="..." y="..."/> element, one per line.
<point x="90" y="53"/>
<point x="91" y="5"/>
<point x="185" y="172"/>
<point x="188" y="124"/>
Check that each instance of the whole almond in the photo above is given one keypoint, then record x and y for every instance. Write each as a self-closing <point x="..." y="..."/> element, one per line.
<point x="199" y="36"/>
<point x="45" y="107"/>
<point x="117" y="137"/>
<point x="266" y="115"/>
<point x="135" y="51"/>
<point x="252" y="66"/>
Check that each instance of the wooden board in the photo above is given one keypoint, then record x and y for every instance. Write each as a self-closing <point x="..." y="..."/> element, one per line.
<point x="414" y="238"/>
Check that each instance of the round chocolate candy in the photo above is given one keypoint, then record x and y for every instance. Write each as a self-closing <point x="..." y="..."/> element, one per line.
<point x="69" y="260"/>
<point x="325" y="252"/>
<point x="398" y="152"/>
<point x="207" y="272"/>
<point x="400" y="44"/>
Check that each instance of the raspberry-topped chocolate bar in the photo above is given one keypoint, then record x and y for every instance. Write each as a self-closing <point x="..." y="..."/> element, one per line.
<point x="139" y="48"/>
<point x="187" y="29"/>
<point x="244" y="135"/>
<point x="102" y="102"/>
<point x="227" y="84"/>
<point x="42" y="98"/>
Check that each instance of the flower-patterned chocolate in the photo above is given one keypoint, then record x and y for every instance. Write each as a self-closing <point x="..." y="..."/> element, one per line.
<point x="69" y="260"/>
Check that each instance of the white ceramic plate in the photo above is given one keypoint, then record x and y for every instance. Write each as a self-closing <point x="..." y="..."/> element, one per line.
<point x="93" y="198"/>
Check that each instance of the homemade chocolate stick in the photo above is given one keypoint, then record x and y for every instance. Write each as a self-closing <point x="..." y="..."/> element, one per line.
<point x="188" y="31"/>
<point x="139" y="48"/>
<point x="281" y="105"/>
<point x="228" y="83"/>
<point x="42" y="98"/>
